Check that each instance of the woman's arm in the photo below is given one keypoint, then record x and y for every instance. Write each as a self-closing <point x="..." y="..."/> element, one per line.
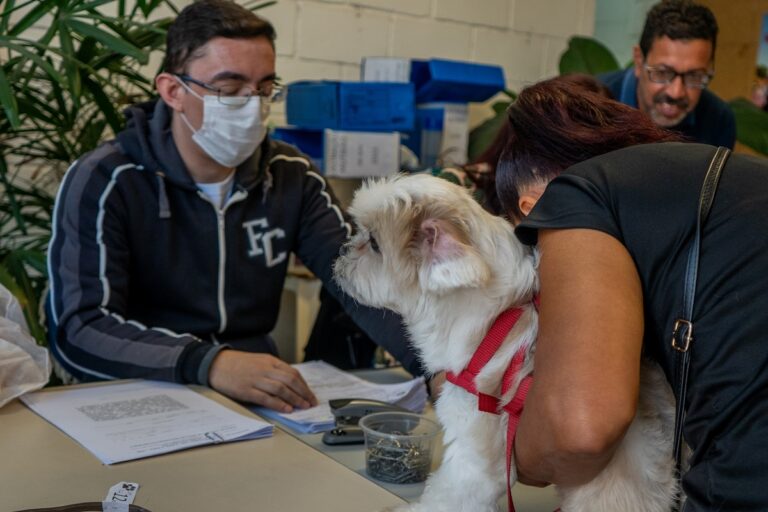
<point x="587" y="365"/>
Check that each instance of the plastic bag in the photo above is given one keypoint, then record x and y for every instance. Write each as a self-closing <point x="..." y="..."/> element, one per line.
<point x="24" y="366"/>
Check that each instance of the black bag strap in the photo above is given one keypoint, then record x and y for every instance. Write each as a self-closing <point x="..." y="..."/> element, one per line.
<point x="682" y="332"/>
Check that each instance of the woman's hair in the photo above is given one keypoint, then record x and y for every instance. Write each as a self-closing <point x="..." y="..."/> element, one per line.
<point x="482" y="170"/>
<point x="559" y="122"/>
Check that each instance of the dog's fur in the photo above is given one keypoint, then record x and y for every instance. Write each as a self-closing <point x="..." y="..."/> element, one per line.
<point x="426" y="250"/>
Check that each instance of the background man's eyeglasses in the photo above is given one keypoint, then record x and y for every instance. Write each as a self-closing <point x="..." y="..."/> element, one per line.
<point x="664" y="75"/>
<point x="238" y="94"/>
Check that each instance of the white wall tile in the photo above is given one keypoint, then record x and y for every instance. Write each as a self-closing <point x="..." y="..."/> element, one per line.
<point x="340" y="33"/>
<point x="350" y="72"/>
<point x="483" y="12"/>
<point x="291" y="70"/>
<point x="521" y="55"/>
<point x="283" y="16"/>
<point x="552" y="17"/>
<point x="415" y="7"/>
<point x="555" y="48"/>
<point x="423" y="39"/>
<point x="588" y="18"/>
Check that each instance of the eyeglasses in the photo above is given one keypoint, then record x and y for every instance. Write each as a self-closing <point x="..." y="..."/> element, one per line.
<point x="664" y="75"/>
<point x="235" y="93"/>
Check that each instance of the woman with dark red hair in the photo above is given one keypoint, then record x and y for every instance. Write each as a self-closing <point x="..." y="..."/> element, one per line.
<point x="616" y="206"/>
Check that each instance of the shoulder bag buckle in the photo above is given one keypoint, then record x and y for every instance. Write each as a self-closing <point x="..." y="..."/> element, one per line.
<point x="682" y="335"/>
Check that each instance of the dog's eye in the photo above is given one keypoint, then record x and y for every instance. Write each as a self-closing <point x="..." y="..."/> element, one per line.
<point x="374" y="244"/>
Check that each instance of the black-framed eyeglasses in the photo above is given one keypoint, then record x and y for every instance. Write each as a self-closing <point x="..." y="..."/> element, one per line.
<point x="237" y="93"/>
<point x="697" y="79"/>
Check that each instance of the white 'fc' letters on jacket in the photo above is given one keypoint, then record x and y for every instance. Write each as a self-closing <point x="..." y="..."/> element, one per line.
<point x="261" y="241"/>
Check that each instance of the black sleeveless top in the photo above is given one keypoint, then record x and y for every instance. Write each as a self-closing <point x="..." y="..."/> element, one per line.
<point x="647" y="198"/>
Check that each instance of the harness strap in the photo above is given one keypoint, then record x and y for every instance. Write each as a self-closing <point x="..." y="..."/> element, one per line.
<point x="488" y="347"/>
<point x="489" y="403"/>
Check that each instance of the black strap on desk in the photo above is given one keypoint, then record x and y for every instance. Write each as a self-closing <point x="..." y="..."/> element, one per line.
<point x="682" y="333"/>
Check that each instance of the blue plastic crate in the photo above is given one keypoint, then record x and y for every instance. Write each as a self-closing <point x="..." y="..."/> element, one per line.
<point x="309" y="142"/>
<point x="357" y="106"/>
<point x="313" y="104"/>
<point x="455" y="81"/>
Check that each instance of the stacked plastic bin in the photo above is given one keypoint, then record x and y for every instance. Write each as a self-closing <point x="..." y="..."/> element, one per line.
<point x="355" y="129"/>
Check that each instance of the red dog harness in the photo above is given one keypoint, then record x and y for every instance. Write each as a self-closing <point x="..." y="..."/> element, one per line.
<point x="488" y="403"/>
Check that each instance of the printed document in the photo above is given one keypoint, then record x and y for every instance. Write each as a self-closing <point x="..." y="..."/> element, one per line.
<point x="329" y="383"/>
<point x="137" y="419"/>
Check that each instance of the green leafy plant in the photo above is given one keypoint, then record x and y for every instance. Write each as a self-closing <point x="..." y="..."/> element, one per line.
<point x="587" y="55"/>
<point x="483" y="134"/>
<point x="68" y="67"/>
<point x="751" y="124"/>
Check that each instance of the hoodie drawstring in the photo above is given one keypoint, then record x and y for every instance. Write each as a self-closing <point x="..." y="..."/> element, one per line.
<point x="164" y="207"/>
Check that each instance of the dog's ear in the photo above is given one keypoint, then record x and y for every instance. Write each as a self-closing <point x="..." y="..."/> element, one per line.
<point x="448" y="259"/>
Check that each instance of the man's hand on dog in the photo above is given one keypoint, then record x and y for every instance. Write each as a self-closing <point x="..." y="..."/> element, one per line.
<point x="261" y="379"/>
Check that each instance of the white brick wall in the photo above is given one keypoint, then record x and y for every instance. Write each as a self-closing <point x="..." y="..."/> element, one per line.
<point x="341" y="33"/>
<point x="481" y="12"/>
<point x="423" y="38"/>
<point x="327" y="38"/>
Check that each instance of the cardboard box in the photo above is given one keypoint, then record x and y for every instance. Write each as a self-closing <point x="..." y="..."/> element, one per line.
<point x="385" y="69"/>
<point x="441" y="137"/>
<point x="363" y="106"/>
<point x="439" y="80"/>
<point x="361" y="154"/>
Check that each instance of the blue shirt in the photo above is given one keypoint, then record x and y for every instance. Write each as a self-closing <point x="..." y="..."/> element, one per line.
<point x="710" y="122"/>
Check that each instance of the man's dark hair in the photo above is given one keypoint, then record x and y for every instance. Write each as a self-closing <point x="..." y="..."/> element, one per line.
<point x="204" y="20"/>
<point x="678" y="19"/>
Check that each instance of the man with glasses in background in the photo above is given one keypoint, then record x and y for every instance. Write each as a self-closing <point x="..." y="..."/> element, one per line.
<point x="171" y="243"/>
<point x="673" y="66"/>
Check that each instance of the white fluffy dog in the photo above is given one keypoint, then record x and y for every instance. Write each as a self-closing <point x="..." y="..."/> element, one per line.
<point x="426" y="250"/>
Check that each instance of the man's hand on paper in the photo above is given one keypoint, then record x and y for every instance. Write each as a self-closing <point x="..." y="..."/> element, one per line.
<point x="261" y="379"/>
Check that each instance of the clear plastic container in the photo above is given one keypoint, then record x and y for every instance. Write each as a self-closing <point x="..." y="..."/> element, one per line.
<point x="399" y="446"/>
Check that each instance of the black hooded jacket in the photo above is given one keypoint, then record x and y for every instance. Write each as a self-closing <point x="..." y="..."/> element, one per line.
<point x="149" y="279"/>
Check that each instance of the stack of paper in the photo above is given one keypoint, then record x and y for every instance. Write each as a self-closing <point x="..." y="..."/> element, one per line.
<point x="329" y="383"/>
<point x="131" y="420"/>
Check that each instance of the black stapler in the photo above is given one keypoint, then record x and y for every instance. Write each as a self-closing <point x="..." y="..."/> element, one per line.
<point x="347" y="413"/>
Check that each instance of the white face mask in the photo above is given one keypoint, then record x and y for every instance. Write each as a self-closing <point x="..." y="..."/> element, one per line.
<point x="229" y="134"/>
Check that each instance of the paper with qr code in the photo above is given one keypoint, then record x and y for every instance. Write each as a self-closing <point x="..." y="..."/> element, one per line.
<point x="138" y="419"/>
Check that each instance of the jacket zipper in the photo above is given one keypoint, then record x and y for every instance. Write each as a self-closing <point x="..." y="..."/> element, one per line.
<point x="237" y="196"/>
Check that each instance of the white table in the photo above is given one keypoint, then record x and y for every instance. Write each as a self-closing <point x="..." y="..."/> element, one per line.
<point x="41" y="466"/>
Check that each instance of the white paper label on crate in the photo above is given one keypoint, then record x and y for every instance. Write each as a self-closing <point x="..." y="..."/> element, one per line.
<point x="361" y="154"/>
<point x="385" y="69"/>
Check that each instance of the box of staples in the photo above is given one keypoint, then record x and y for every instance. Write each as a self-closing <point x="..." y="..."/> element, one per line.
<point x="455" y="81"/>
<point x="361" y="106"/>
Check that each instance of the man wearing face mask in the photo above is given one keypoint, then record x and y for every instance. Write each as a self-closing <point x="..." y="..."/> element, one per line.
<point x="171" y="242"/>
<point x="673" y="66"/>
